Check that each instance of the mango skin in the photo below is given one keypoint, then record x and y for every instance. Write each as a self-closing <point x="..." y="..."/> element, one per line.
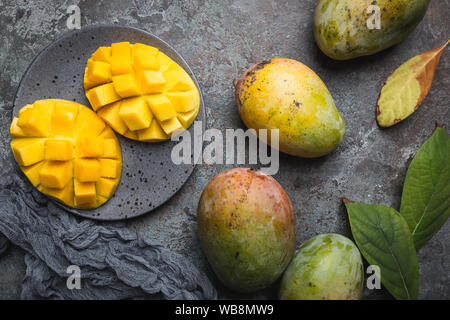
<point x="326" y="267"/>
<point x="341" y="32"/>
<point x="246" y="226"/>
<point x="285" y="94"/>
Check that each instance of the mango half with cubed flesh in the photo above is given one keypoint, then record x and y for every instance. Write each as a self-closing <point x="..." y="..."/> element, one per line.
<point x="67" y="152"/>
<point x="140" y="92"/>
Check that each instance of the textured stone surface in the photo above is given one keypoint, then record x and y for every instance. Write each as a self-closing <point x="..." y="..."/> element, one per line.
<point x="220" y="39"/>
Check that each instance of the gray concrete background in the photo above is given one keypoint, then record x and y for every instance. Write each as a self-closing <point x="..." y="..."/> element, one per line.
<point x="220" y="39"/>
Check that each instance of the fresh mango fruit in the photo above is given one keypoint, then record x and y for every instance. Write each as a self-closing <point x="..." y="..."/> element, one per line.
<point x="346" y="29"/>
<point x="67" y="152"/>
<point x="326" y="267"/>
<point x="285" y="94"/>
<point x="140" y="92"/>
<point x="246" y="226"/>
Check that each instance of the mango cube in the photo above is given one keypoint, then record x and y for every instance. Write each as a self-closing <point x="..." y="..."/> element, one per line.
<point x="64" y="195"/>
<point x="55" y="174"/>
<point x="86" y="83"/>
<point x="102" y="95"/>
<point x="106" y="187"/>
<point x="165" y="62"/>
<point x="89" y="123"/>
<point x="153" y="133"/>
<point x="152" y="81"/>
<point x="36" y="121"/>
<point x="102" y="54"/>
<point x="25" y="108"/>
<point x="45" y="106"/>
<point x="182" y="101"/>
<point x="109" y="168"/>
<point x="15" y="130"/>
<point x="87" y="170"/>
<point x="108" y="133"/>
<point x="92" y="146"/>
<point x="139" y="48"/>
<point x="111" y="149"/>
<point x="68" y="107"/>
<point x="126" y="85"/>
<point x="63" y="123"/>
<point x="177" y="80"/>
<point x="161" y="107"/>
<point x="171" y="125"/>
<point x="120" y="65"/>
<point x="58" y="149"/>
<point x="187" y="118"/>
<point x="28" y="151"/>
<point x="110" y="114"/>
<point x="32" y="173"/>
<point x="121" y="49"/>
<point x="135" y="113"/>
<point x="142" y="61"/>
<point x="84" y="193"/>
<point x="131" y="135"/>
<point x="99" y="72"/>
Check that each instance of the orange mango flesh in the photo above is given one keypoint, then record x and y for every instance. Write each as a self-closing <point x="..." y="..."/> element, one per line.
<point x="140" y="92"/>
<point x="67" y="152"/>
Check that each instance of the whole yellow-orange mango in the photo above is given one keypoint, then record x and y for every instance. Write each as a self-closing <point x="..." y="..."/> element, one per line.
<point x="285" y="94"/>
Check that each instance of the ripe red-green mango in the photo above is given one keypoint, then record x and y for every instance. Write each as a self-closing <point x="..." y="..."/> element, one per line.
<point x="246" y="226"/>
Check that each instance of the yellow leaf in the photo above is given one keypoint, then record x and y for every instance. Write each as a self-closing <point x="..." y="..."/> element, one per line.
<point x="406" y="88"/>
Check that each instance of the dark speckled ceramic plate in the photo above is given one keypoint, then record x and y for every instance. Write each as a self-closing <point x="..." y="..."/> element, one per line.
<point x="149" y="177"/>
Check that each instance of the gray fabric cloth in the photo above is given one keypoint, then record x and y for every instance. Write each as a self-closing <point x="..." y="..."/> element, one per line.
<point x="115" y="263"/>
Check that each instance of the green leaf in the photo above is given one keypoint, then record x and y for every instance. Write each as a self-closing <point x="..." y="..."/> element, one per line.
<point x="383" y="238"/>
<point x="426" y="192"/>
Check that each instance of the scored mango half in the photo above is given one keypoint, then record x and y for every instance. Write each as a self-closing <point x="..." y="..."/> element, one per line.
<point x="67" y="152"/>
<point x="140" y="92"/>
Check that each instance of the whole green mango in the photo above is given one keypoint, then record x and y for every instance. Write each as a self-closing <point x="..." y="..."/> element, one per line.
<point x="326" y="267"/>
<point x="246" y="226"/>
<point x="346" y="29"/>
